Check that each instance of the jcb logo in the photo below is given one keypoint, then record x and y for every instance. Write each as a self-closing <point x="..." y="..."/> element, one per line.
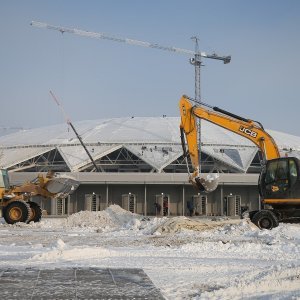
<point x="248" y="131"/>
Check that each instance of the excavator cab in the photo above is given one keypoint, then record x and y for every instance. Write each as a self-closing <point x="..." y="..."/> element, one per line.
<point x="278" y="180"/>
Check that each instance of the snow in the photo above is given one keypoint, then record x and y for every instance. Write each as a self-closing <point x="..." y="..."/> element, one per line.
<point x="186" y="258"/>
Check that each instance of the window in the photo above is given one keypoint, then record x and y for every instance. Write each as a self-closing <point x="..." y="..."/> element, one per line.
<point x="278" y="170"/>
<point x="293" y="172"/>
<point x="277" y="177"/>
<point x="270" y="172"/>
<point x="282" y="170"/>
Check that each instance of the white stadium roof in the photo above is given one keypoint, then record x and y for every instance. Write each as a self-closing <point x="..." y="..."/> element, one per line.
<point x="155" y="140"/>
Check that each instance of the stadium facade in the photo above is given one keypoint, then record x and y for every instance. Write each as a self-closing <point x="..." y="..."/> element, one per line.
<point x="141" y="164"/>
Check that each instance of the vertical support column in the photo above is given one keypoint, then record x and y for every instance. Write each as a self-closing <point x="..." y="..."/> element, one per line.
<point x="222" y="200"/>
<point x="68" y="205"/>
<point x="106" y="195"/>
<point x="259" y="202"/>
<point x="145" y="201"/>
<point x="53" y="206"/>
<point x="75" y="202"/>
<point x="183" y="199"/>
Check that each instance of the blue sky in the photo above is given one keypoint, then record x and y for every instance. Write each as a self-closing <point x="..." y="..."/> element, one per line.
<point x="100" y="79"/>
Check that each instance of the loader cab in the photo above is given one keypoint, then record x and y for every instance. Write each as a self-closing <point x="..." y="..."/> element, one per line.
<point x="279" y="179"/>
<point x="4" y="180"/>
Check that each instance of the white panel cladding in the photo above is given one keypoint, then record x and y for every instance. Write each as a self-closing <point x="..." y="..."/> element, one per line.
<point x="157" y="156"/>
<point x="76" y="157"/>
<point x="11" y="157"/>
<point x="237" y="157"/>
<point x="133" y="133"/>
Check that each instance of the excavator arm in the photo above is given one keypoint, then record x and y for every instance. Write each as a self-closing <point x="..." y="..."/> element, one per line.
<point x="249" y="129"/>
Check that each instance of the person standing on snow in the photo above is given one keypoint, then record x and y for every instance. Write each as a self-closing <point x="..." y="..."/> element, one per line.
<point x="190" y="206"/>
<point x="157" y="208"/>
<point x="166" y="206"/>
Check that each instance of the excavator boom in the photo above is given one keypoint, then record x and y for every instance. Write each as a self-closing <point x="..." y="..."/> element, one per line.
<point x="246" y="128"/>
<point x="249" y="129"/>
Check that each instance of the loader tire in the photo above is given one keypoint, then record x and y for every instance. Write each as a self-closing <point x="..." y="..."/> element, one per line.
<point x="265" y="219"/>
<point x="35" y="212"/>
<point x="16" y="211"/>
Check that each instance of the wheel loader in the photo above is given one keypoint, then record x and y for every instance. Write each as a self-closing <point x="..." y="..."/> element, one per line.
<point x="279" y="180"/>
<point x="16" y="202"/>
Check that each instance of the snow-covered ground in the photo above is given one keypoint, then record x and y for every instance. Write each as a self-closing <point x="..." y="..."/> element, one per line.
<point x="185" y="258"/>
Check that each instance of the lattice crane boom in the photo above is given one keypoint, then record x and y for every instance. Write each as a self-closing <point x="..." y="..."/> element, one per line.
<point x="104" y="36"/>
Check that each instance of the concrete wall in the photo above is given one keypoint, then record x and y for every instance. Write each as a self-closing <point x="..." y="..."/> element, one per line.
<point x="178" y="195"/>
<point x="111" y="187"/>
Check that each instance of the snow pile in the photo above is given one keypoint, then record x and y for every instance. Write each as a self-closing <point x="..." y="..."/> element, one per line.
<point x="151" y="226"/>
<point x="238" y="229"/>
<point x="114" y="217"/>
<point x="90" y="219"/>
<point x="62" y="252"/>
<point x="123" y="218"/>
<point x="59" y="244"/>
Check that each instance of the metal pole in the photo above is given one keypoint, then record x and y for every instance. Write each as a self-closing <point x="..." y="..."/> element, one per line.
<point x="145" y="199"/>
<point x="106" y="195"/>
<point x="84" y="147"/>
<point x="183" y="199"/>
<point x="222" y="201"/>
<point x="197" y="64"/>
<point x="198" y="97"/>
<point x="69" y="200"/>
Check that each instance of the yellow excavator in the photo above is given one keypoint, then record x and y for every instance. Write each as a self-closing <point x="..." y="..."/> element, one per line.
<point x="279" y="180"/>
<point x="16" y="201"/>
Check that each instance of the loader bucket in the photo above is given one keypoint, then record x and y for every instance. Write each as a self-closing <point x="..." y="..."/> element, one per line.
<point x="206" y="183"/>
<point x="62" y="186"/>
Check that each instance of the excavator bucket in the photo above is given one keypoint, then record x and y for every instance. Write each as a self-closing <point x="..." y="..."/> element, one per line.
<point x="61" y="186"/>
<point x="206" y="183"/>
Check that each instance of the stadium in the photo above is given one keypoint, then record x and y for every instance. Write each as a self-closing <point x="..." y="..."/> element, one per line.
<point x="141" y="163"/>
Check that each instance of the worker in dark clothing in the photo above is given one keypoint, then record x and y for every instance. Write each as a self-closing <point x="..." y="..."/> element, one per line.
<point x="157" y="208"/>
<point x="165" y="206"/>
<point x="190" y="206"/>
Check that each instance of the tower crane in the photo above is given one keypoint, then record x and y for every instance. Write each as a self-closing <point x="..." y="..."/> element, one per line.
<point x="196" y="59"/>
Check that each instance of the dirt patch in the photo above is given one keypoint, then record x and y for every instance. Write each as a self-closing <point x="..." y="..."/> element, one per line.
<point x="177" y="224"/>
